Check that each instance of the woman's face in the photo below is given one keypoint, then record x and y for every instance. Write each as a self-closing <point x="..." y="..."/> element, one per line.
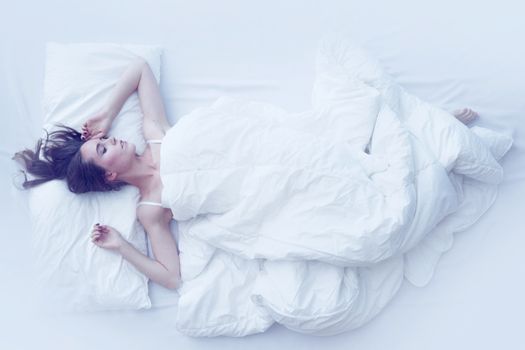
<point x="113" y="155"/>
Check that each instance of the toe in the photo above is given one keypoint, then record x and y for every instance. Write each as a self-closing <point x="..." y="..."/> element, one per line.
<point x="460" y="112"/>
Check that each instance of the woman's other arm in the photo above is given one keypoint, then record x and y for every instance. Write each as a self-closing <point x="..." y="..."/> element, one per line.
<point x="156" y="222"/>
<point x="164" y="271"/>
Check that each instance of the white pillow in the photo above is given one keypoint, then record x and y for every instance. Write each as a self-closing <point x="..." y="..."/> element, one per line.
<point x="82" y="276"/>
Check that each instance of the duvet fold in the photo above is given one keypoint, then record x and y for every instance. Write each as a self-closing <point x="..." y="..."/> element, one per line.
<point x="313" y="219"/>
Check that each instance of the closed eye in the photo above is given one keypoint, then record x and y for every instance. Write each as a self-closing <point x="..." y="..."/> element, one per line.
<point x="101" y="149"/>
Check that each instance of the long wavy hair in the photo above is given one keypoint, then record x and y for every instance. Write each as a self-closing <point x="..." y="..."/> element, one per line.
<point x="58" y="157"/>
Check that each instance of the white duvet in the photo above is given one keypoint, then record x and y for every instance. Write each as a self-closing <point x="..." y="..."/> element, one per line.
<point x="313" y="219"/>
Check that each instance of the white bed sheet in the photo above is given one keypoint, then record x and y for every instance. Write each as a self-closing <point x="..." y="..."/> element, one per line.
<point x="448" y="53"/>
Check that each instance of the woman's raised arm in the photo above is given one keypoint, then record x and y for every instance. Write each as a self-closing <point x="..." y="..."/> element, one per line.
<point x="155" y="122"/>
<point x="138" y="76"/>
<point x="126" y="85"/>
<point x="99" y="124"/>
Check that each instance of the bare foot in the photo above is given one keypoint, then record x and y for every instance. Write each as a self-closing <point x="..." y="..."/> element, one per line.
<point x="465" y="115"/>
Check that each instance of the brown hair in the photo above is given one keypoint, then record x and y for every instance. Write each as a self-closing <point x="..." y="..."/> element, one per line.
<point x="61" y="159"/>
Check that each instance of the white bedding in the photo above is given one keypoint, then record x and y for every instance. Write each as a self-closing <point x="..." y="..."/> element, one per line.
<point x="297" y="218"/>
<point x="452" y="54"/>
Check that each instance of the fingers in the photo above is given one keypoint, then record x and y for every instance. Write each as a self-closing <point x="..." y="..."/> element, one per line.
<point x="101" y="228"/>
<point x="89" y="132"/>
<point x="98" y="232"/>
<point x="85" y="132"/>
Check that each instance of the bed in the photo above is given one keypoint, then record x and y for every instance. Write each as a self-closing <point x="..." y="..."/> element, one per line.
<point x="448" y="54"/>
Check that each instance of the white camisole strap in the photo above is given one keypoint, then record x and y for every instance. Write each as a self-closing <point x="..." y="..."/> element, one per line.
<point x="154" y="141"/>
<point x="149" y="203"/>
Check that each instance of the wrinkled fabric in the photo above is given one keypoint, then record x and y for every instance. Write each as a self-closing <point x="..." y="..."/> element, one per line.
<point x="313" y="219"/>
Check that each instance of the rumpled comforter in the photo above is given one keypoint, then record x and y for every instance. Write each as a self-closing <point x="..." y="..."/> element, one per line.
<point x="312" y="220"/>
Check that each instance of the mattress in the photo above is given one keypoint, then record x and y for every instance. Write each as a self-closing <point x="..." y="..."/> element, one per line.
<point x="450" y="54"/>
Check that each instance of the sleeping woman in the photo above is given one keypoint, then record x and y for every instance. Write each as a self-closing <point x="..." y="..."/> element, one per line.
<point x="90" y="160"/>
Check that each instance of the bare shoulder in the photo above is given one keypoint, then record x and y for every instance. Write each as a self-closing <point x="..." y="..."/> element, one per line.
<point x="150" y="215"/>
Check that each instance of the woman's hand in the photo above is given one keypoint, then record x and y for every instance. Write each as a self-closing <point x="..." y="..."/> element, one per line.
<point x="107" y="237"/>
<point x="96" y="126"/>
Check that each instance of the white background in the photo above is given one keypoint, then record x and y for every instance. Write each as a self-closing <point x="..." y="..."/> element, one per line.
<point x="451" y="53"/>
